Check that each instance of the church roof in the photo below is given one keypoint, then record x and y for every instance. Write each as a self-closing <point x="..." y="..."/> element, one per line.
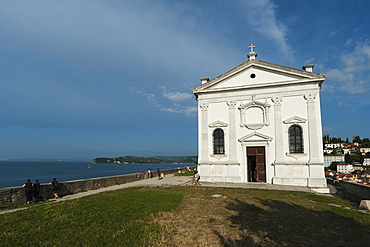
<point x="264" y="65"/>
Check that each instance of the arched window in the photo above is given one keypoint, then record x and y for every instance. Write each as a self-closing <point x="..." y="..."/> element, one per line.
<point x="295" y="139"/>
<point x="218" y="142"/>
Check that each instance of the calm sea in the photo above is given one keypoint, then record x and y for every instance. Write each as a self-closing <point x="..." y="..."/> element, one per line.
<point x="15" y="173"/>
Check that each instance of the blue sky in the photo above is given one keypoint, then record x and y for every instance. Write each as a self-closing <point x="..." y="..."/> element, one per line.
<point x="86" y="79"/>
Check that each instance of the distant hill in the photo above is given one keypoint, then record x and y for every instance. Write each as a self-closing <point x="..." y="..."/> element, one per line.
<point x="143" y="160"/>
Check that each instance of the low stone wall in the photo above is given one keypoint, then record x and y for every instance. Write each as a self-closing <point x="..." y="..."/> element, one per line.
<point x="16" y="195"/>
<point x="352" y="191"/>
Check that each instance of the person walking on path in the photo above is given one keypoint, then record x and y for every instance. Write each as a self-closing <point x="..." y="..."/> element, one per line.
<point x="196" y="178"/>
<point x="149" y="173"/>
<point x="55" y="188"/>
<point x="28" y="191"/>
<point x="36" y="190"/>
<point x="159" y="174"/>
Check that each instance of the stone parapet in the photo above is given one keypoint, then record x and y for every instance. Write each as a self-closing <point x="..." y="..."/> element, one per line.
<point x="16" y="195"/>
<point x="352" y="191"/>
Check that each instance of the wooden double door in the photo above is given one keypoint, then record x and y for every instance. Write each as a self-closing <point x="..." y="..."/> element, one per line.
<point x="256" y="163"/>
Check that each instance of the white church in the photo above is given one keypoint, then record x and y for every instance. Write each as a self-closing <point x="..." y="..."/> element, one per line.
<point x="261" y="122"/>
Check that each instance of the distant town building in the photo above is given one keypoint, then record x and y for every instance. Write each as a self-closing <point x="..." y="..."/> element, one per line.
<point x="366" y="161"/>
<point x="328" y="159"/>
<point x="364" y="150"/>
<point x="346" y="150"/>
<point x="334" y="145"/>
<point x="345" y="168"/>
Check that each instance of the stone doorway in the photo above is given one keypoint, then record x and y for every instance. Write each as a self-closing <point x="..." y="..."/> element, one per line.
<point x="256" y="164"/>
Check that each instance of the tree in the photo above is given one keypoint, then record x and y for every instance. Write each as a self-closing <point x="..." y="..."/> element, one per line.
<point x="336" y="140"/>
<point x="357" y="139"/>
<point x="348" y="158"/>
<point x="333" y="166"/>
<point x="352" y="158"/>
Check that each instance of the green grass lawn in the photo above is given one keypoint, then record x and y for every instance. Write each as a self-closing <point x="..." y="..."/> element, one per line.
<point x="189" y="216"/>
<point x="114" y="218"/>
<point x="190" y="173"/>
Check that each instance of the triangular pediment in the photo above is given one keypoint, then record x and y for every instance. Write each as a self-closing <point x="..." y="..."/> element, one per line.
<point x="256" y="73"/>
<point x="294" y="120"/>
<point x="255" y="137"/>
<point x="217" y="124"/>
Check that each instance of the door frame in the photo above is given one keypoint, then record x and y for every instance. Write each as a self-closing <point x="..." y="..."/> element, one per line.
<point x="253" y="173"/>
<point x="244" y="167"/>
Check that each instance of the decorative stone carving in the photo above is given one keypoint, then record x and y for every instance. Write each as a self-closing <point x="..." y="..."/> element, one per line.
<point x="277" y="100"/>
<point x="311" y="97"/>
<point x="258" y="110"/>
<point x="231" y="104"/>
<point x="204" y="106"/>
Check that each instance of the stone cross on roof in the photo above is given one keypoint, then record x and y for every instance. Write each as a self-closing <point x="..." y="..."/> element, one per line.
<point x="252" y="54"/>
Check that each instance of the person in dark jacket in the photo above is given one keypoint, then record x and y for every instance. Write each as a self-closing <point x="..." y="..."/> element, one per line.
<point x="36" y="190"/>
<point x="55" y="188"/>
<point x="28" y="191"/>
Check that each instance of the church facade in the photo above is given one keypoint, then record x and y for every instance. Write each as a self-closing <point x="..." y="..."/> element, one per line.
<point x="261" y="122"/>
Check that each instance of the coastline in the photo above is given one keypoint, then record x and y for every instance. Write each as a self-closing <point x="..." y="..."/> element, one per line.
<point x="15" y="173"/>
<point x="16" y="195"/>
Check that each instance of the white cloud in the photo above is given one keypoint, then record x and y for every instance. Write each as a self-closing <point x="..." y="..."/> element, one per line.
<point x="261" y="15"/>
<point x="151" y="97"/>
<point x="171" y="110"/>
<point x="175" y="105"/>
<point x="189" y="111"/>
<point x="175" y="96"/>
<point x="354" y="76"/>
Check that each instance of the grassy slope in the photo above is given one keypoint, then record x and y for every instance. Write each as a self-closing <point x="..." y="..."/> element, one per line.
<point x="189" y="216"/>
<point x="113" y="219"/>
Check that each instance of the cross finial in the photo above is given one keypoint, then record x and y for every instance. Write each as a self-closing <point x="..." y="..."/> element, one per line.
<point x="251" y="47"/>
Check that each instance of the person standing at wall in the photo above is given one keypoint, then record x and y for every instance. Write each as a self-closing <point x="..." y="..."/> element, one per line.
<point x="28" y="191"/>
<point x="36" y="190"/>
<point x="55" y="188"/>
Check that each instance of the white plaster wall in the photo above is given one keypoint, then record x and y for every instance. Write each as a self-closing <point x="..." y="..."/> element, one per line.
<point x="293" y="104"/>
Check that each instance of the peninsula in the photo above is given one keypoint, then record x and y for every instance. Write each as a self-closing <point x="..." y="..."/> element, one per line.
<point x="152" y="160"/>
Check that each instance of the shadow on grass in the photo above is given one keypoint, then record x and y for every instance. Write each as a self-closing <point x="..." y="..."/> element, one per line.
<point x="277" y="223"/>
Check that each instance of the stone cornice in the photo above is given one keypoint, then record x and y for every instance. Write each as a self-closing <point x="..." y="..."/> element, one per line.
<point x="259" y="85"/>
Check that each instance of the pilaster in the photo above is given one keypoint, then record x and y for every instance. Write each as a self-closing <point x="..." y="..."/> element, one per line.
<point x="279" y="133"/>
<point x="232" y="132"/>
<point x="314" y="144"/>
<point x="204" y="131"/>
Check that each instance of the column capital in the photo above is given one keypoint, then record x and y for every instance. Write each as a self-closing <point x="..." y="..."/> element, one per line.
<point x="231" y="104"/>
<point x="277" y="100"/>
<point x="204" y="106"/>
<point x="310" y="97"/>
